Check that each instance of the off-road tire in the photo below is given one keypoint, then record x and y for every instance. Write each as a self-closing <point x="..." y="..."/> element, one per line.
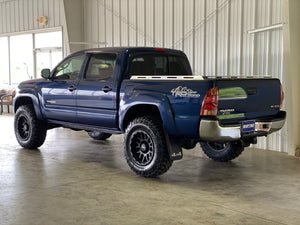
<point x="97" y="135"/>
<point x="189" y="144"/>
<point x="222" y="152"/>
<point x="145" y="147"/>
<point x="30" y="132"/>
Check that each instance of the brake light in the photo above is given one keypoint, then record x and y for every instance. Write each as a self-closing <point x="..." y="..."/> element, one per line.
<point x="282" y="96"/>
<point x="210" y="103"/>
<point x="160" y="49"/>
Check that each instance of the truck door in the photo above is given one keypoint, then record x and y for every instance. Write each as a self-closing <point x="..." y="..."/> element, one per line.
<point x="59" y="95"/>
<point x="97" y="92"/>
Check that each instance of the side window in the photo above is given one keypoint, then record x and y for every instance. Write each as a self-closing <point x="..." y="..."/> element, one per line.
<point x="69" y="69"/>
<point x="101" y="67"/>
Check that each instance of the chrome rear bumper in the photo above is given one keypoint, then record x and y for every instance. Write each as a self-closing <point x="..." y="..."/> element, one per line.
<point x="211" y="130"/>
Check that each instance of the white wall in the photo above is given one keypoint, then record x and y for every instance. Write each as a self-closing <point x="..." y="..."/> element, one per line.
<point x="21" y="15"/>
<point x="291" y="37"/>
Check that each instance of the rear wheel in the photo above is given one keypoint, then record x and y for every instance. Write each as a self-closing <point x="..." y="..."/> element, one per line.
<point x="145" y="147"/>
<point x="30" y="132"/>
<point x="97" y="135"/>
<point x="222" y="151"/>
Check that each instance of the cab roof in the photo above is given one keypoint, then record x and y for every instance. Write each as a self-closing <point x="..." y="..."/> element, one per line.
<point x="129" y="50"/>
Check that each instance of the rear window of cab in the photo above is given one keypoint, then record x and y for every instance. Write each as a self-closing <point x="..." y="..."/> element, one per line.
<point x="158" y="64"/>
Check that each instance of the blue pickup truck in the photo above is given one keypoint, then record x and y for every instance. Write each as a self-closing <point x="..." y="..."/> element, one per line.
<point x="150" y="96"/>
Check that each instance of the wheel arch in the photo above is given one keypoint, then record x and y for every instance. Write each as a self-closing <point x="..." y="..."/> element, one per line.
<point x="28" y="100"/>
<point x="140" y="110"/>
<point x="161" y="111"/>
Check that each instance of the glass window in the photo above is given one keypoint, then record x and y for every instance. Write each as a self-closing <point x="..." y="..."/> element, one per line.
<point x="21" y="56"/>
<point x="48" y="49"/>
<point x="179" y="66"/>
<point x="69" y="69"/>
<point x="51" y="39"/>
<point x="47" y="58"/>
<point x="4" y="61"/>
<point x="148" y="64"/>
<point x="47" y="54"/>
<point x="159" y="64"/>
<point x="101" y="66"/>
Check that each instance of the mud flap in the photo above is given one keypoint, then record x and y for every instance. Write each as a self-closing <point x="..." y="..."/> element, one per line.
<point x="174" y="147"/>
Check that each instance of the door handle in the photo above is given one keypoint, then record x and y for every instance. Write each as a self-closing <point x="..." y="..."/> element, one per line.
<point x="106" y="89"/>
<point x="71" y="88"/>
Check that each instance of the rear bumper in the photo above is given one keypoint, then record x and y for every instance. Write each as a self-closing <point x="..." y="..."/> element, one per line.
<point x="211" y="130"/>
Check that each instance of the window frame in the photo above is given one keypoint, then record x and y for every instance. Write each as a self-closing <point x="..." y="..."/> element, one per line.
<point x="134" y="55"/>
<point x="89" y="61"/>
<point x="33" y="67"/>
<point x="55" y="71"/>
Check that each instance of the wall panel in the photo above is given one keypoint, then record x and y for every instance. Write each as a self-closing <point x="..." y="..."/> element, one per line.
<point x="222" y="30"/>
<point x="159" y="23"/>
<point x="248" y="39"/>
<point x="199" y="48"/>
<point x="21" y="15"/>
<point x="188" y="30"/>
<point x="235" y="40"/>
<point x="149" y="29"/>
<point x="178" y="24"/>
<point x="211" y="22"/>
<point x="132" y="22"/>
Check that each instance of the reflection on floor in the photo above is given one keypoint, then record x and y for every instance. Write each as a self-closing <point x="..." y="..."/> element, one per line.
<point x="72" y="179"/>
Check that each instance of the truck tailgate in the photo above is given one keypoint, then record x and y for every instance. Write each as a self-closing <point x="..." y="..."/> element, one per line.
<point x="248" y="98"/>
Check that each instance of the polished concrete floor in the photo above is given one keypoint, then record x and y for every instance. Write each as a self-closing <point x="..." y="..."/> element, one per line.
<point x="72" y="179"/>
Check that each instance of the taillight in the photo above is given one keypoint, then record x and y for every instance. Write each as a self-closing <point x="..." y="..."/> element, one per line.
<point x="210" y="103"/>
<point x="282" y="96"/>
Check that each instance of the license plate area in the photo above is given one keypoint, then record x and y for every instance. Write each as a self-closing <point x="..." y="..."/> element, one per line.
<point x="248" y="126"/>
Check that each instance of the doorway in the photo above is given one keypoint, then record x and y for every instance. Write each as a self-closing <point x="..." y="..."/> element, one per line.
<point x="47" y="58"/>
<point x="47" y="51"/>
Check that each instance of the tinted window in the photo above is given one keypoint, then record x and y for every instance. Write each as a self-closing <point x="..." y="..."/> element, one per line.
<point x="158" y="64"/>
<point x="69" y="69"/>
<point x="179" y="66"/>
<point x="101" y="66"/>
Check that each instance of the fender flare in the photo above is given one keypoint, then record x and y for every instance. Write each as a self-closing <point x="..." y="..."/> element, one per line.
<point x="35" y="102"/>
<point x="152" y="99"/>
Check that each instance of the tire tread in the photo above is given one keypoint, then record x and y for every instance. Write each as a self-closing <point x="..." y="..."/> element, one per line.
<point x="39" y="130"/>
<point x="164" y="162"/>
<point x="231" y="153"/>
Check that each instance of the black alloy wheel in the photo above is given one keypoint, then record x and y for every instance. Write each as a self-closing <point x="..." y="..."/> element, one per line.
<point x="145" y="147"/>
<point x="222" y="151"/>
<point x="24" y="127"/>
<point x="30" y="132"/>
<point x="142" y="148"/>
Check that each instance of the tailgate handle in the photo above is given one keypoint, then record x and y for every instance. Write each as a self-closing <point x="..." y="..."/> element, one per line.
<point x="251" y="91"/>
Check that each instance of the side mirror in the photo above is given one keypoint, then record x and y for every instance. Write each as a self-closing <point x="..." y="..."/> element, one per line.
<point x="45" y="73"/>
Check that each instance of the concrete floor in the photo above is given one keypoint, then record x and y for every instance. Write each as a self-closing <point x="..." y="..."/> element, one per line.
<point x="72" y="179"/>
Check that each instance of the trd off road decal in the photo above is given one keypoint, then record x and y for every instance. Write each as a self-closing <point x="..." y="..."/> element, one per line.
<point x="184" y="92"/>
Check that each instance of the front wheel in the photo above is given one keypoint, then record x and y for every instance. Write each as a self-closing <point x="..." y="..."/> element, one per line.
<point x="30" y="132"/>
<point x="222" y="151"/>
<point x="145" y="147"/>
